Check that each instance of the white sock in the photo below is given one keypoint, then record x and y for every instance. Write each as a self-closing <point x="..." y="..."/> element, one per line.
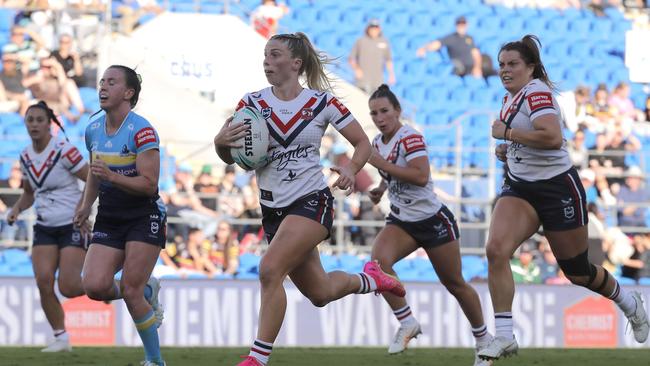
<point x="61" y="335"/>
<point x="404" y="315"/>
<point x="481" y="335"/>
<point x="261" y="351"/>
<point x="367" y="283"/>
<point x="623" y="299"/>
<point x="503" y="323"/>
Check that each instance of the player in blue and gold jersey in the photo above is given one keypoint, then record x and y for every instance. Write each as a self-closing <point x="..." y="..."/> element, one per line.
<point x="129" y="228"/>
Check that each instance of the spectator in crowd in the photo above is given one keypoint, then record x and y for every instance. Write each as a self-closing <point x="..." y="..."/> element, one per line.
<point x="621" y="103"/>
<point x="644" y="272"/>
<point x="546" y="261"/>
<point x="251" y="234"/>
<point x="462" y="50"/>
<point x="221" y="255"/>
<point x="524" y="269"/>
<point x="184" y="201"/>
<point x="25" y="50"/>
<point x="600" y="159"/>
<point x="617" y="246"/>
<point x="596" y="234"/>
<point x="634" y="265"/>
<point x="578" y="151"/>
<point x="15" y="83"/>
<point x="60" y="93"/>
<point x="230" y="199"/>
<point x="647" y="109"/>
<point x="131" y="11"/>
<point x="370" y="56"/>
<point x="206" y="187"/>
<point x="7" y="105"/>
<point x="183" y="255"/>
<point x="599" y="107"/>
<point x="266" y="17"/>
<point x="619" y="145"/>
<point x="17" y="231"/>
<point x="69" y="59"/>
<point x="631" y="193"/>
<point x="575" y="108"/>
<point x="588" y="178"/>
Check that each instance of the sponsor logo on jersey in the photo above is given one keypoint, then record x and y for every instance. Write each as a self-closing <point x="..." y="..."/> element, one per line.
<point x="155" y="227"/>
<point x="125" y="150"/>
<point x="108" y="144"/>
<point x="266" y="112"/>
<point x="413" y="143"/>
<point x="307" y="114"/>
<point x="99" y="235"/>
<point x="289" y="156"/>
<point x="567" y="202"/>
<point x="341" y="108"/>
<point x="539" y="100"/>
<point x="569" y="212"/>
<point x="291" y="176"/>
<point x="145" y="136"/>
<point x="73" y="156"/>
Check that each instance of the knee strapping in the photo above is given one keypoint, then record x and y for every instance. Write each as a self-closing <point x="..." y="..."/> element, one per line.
<point x="579" y="266"/>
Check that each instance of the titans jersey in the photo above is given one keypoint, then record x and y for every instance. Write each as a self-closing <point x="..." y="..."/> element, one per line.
<point x="524" y="162"/>
<point x="296" y="128"/>
<point x="119" y="151"/>
<point x="50" y="173"/>
<point x="408" y="202"/>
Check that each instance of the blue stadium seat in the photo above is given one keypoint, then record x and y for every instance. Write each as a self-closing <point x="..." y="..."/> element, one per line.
<point x="16" y="257"/>
<point x="644" y="281"/>
<point x="329" y="262"/>
<point x="249" y="262"/>
<point x="6" y="19"/>
<point x="185" y="8"/>
<point x="212" y="8"/>
<point x="351" y="263"/>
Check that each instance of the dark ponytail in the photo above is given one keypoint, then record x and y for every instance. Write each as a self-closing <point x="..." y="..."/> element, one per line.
<point x="50" y="115"/>
<point x="384" y="92"/>
<point x="529" y="49"/>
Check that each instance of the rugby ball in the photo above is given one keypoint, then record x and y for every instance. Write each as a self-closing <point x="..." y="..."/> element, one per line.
<point x="254" y="145"/>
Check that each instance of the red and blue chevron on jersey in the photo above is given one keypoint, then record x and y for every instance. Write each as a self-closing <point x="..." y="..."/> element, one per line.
<point x="408" y="202"/>
<point x="50" y="173"/>
<point x="296" y="128"/>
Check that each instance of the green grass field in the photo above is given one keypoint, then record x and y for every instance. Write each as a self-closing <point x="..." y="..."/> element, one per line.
<point x="23" y="356"/>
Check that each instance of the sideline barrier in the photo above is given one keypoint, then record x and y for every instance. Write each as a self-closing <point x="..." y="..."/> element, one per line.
<point x="224" y="313"/>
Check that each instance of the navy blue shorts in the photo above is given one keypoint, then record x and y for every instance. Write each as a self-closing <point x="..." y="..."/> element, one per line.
<point x="560" y="202"/>
<point x="62" y="236"/>
<point x="437" y="230"/>
<point x="114" y="231"/>
<point x="318" y="206"/>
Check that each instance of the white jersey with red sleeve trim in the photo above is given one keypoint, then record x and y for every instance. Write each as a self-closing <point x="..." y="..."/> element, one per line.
<point x="50" y="173"/>
<point x="296" y="128"/>
<point x="524" y="162"/>
<point x="408" y="202"/>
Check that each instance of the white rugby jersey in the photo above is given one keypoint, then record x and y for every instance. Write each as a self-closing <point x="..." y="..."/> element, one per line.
<point x="524" y="162"/>
<point x="408" y="202"/>
<point x="296" y="128"/>
<point x="50" y="174"/>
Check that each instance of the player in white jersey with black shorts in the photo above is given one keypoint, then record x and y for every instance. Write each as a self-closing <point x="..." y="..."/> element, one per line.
<point x="416" y="219"/>
<point x="51" y="170"/>
<point x="297" y="204"/>
<point x="540" y="187"/>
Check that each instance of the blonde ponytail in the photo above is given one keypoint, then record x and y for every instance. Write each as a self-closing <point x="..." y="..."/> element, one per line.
<point x="313" y="61"/>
